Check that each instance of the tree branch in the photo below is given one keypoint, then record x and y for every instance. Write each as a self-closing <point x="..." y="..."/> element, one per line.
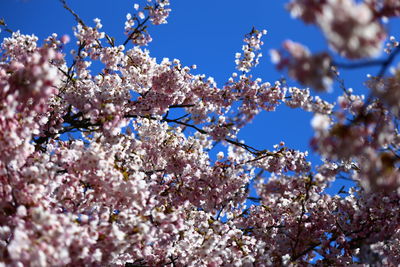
<point x="77" y="18"/>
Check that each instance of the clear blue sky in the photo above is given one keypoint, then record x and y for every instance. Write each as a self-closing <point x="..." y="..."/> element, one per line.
<point x="207" y="33"/>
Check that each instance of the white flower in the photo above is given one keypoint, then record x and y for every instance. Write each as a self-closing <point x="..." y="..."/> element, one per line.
<point x="320" y="122"/>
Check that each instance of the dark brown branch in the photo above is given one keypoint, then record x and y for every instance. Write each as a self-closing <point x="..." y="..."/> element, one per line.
<point x="303" y="212"/>
<point x="139" y="28"/>
<point x="246" y="147"/>
<point x="220" y="212"/>
<point x="182" y="106"/>
<point x="77" y="18"/>
<point x="250" y="149"/>
<point x="384" y="63"/>
<point x="186" y="124"/>
<point x="388" y="61"/>
<point x="5" y="26"/>
<point x="74" y="124"/>
<point x="359" y="64"/>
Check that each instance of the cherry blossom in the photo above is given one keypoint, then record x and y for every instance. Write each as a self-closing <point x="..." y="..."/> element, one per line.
<point x="140" y="163"/>
<point x="351" y="28"/>
<point x="309" y="70"/>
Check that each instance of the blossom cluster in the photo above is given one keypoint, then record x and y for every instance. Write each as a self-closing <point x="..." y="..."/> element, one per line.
<point x="250" y="57"/>
<point x="351" y="28"/>
<point x="135" y="25"/>
<point x="307" y="69"/>
<point x="120" y="165"/>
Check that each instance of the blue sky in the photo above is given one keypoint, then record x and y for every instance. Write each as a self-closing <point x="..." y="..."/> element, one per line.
<point x="207" y="33"/>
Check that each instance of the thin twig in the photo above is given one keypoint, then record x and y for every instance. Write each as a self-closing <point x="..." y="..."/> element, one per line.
<point x="357" y="65"/>
<point x="388" y="61"/>
<point x="77" y="18"/>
